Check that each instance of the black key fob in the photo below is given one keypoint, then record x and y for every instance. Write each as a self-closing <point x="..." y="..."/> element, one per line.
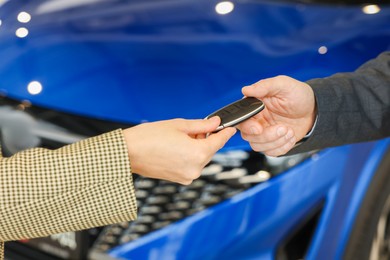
<point x="237" y="112"/>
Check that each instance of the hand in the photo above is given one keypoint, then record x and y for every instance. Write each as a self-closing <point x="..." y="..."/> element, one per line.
<point x="289" y="114"/>
<point x="175" y="150"/>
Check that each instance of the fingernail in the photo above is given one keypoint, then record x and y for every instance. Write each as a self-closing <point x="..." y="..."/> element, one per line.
<point x="214" y="118"/>
<point x="281" y="131"/>
<point x="253" y="130"/>
<point x="244" y="88"/>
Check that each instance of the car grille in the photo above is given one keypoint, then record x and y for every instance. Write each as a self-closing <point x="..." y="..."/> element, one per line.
<point x="160" y="203"/>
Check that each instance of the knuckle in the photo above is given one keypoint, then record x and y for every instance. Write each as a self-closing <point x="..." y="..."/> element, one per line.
<point x="186" y="182"/>
<point x="180" y="121"/>
<point x="270" y="136"/>
<point x="273" y="153"/>
<point x="191" y="176"/>
<point x="282" y="77"/>
<point x="255" y="147"/>
<point x="244" y="136"/>
<point x="287" y="147"/>
<point x="283" y="150"/>
<point x="191" y="158"/>
<point x="201" y="157"/>
<point x="195" y="175"/>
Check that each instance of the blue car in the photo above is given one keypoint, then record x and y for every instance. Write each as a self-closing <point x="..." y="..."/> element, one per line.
<point x="74" y="69"/>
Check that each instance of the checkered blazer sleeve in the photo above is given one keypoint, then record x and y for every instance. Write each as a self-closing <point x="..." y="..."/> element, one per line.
<point x="78" y="186"/>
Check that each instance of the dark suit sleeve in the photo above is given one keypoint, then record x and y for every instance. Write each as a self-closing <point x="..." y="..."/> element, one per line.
<point x="352" y="107"/>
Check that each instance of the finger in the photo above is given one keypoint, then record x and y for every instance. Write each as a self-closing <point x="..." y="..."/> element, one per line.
<point x="282" y="150"/>
<point x="264" y="87"/>
<point x="250" y="127"/>
<point x="200" y="126"/>
<point x="264" y="147"/>
<point x="217" y="140"/>
<point x="269" y="134"/>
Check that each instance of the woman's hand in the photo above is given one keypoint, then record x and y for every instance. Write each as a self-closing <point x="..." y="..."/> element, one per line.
<point x="175" y="150"/>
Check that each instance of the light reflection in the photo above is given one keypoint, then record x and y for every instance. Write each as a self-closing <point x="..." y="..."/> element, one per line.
<point x="24" y="17"/>
<point x="34" y="87"/>
<point x="1" y="22"/>
<point x="2" y="2"/>
<point x="224" y="7"/>
<point x="322" y="50"/>
<point x="21" y="32"/>
<point x="60" y="5"/>
<point x="371" y="9"/>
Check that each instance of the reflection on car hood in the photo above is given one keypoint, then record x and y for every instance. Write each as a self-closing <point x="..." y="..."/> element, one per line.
<point x="136" y="61"/>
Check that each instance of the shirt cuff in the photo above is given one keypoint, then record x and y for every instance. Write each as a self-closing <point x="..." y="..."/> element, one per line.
<point x="309" y="134"/>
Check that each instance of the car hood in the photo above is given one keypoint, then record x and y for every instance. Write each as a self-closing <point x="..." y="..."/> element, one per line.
<point x="137" y="61"/>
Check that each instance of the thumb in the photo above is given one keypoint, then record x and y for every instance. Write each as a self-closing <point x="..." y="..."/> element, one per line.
<point x="217" y="140"/>
<point x="262" y="88"/>
<point x="201" y="126"/>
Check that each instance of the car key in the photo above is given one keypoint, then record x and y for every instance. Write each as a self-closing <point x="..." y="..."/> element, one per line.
<point x="237" y="112"/>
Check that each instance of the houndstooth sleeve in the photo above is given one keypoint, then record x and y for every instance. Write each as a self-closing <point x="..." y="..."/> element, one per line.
<point x="78" y="186"/>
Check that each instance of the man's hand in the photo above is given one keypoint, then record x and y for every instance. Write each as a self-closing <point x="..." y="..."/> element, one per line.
<point x="175" y="150"/>
<point x="289" y="114"/>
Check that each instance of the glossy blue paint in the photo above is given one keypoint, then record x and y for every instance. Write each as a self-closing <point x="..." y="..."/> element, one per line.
<point x="135" y="61"/>
<point x="367" y="173"/>
<point x="345" y="198"/>
<point x="120" y="61"/>
<point x="252" y="224"/>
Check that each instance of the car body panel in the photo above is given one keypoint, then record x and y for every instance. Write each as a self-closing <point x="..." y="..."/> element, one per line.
<point x="138" y="61"/>
<point x="219" y="57"/>
<point x="252" y="224"/>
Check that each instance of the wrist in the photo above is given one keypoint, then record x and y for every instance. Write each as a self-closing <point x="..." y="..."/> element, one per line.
<point x="310" y="132"/>
<point x="131" y="148"/>
<point x="312" y="118"/>
<point x="312" y="122"/>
